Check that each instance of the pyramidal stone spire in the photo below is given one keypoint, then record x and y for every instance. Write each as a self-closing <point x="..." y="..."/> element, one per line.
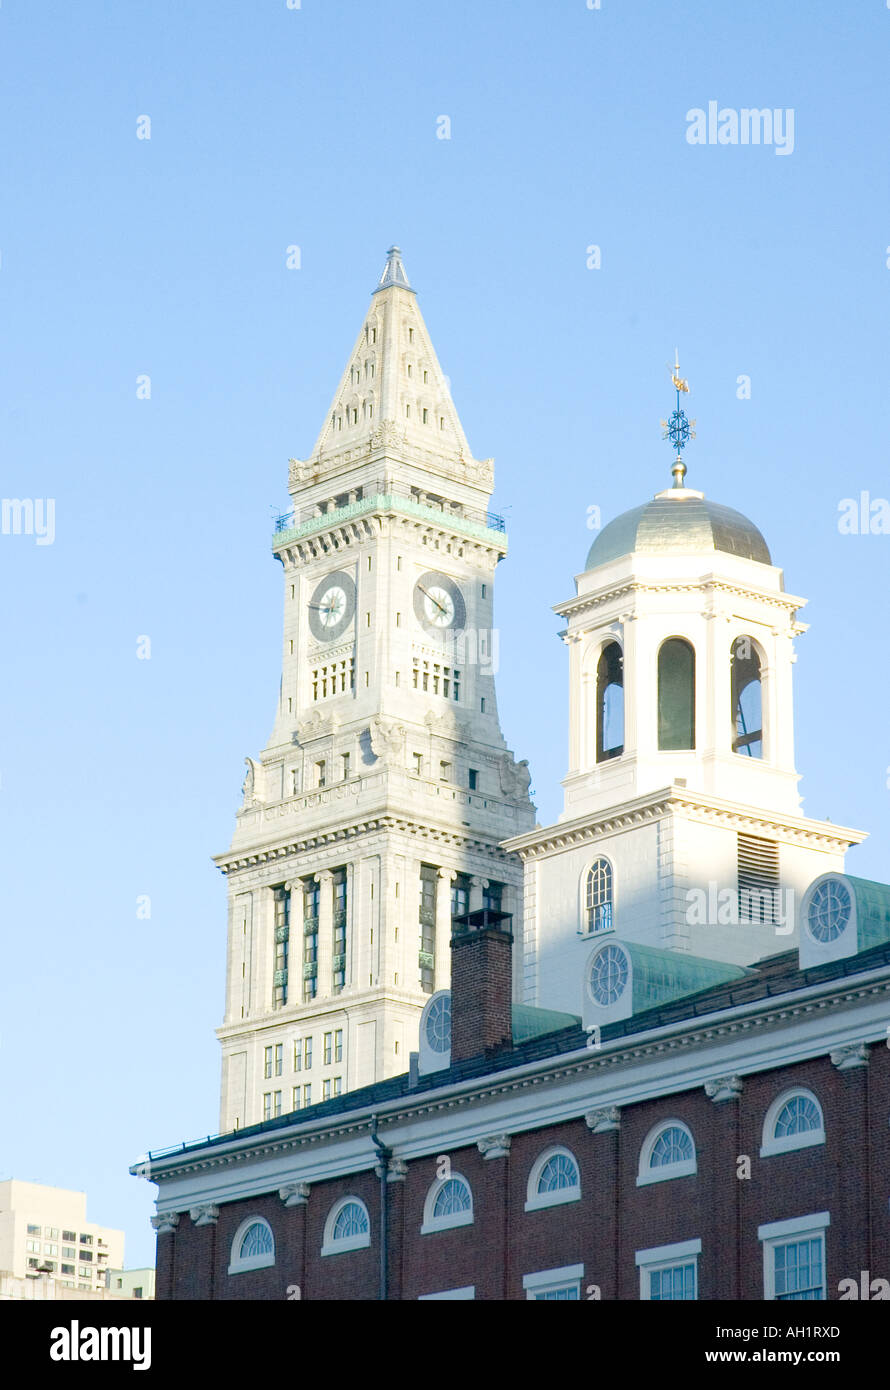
<point x="394" y="272"/>
<point x="393" y="397"/>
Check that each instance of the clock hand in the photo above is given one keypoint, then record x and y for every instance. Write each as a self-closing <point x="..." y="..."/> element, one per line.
<point x="441" y="607"/>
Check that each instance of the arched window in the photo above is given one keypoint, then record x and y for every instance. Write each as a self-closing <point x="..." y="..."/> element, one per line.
<point x="598" y="897"/>
<point x="676" y="695"/>
<point x="348" y="1227"/>
<point x="554" y="1179"/>
<point x="793" y="1121"/>
<point x="747" y="699"/>
<point x="668" y="1152"/>
<point x="449" y="1203"/>
<point x="253" y="1246"/>
<point x="610" y="703"/>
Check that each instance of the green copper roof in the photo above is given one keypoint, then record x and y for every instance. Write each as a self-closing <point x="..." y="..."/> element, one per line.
<point x="662" y="976"/>
<point x="872" y="911"/>
<point x="529" y="1022"/>
<point x="678" y="522"/>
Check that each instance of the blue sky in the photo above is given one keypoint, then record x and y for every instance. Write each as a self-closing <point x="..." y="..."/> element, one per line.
<point x="317" y="127"/>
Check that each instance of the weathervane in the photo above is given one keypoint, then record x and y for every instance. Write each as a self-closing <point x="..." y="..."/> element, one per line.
<point x="678" y="429"/>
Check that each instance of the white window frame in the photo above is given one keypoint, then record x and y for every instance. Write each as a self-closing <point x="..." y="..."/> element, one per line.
<point x="467" y="1292"/>
<point x="550" y="1280"/>
<point x="346" y="1243"/>
<point x="776" y="1233"/>
<point x="538" y="1201"/>
<point x="445" y="1223"/>
<point x="770" y="1144"/>
<point x="583" y="929"/>
<point x="687" y="1168"/>
<point x="239" y="1266"/>
<point x="658" y="1257"/>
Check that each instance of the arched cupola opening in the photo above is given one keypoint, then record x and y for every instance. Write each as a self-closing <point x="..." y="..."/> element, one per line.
<point x="676" y="695"/>
<point x="747" y="699"/>
<point x="610" y="703"/>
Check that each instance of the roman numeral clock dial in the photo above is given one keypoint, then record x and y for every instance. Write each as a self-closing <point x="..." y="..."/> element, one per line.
<point x="332" y="606"/>
<point x="438" y="603"/>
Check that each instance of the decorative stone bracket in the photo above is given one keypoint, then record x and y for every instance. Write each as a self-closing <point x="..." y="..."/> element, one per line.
<point x="723" y="1088"/>
<point x="495" y="1145"/>
<point x="603" y="1121"/>
<point x="165" y="1222"/>
<point x="294" y="1194"/>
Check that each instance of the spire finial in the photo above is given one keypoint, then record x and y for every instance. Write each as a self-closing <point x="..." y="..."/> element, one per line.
<point x="678" y="429"/>
<point x="394" y="272"/>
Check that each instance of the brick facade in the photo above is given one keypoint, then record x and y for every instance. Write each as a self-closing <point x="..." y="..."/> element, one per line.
<point x="848" y="1176"/>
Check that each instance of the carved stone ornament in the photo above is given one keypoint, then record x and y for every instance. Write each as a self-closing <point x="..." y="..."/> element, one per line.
<point x="723" y="1088"/>
<point x="294" y="1194"/>
<point x="388" y="740"/>
<point x="515" y="778"/>
<point x="851" y="1056"/>
<point x="249" y="785"/>
<point x="495" y="1145"/>
<point x="603" y="1121"/>
<point x="165" y="1222"/>
<point x="205" y="1215"/>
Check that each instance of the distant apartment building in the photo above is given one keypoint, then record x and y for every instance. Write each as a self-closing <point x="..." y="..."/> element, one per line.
<point x="44" y="1232"/>
<point x="131" y="1283"/>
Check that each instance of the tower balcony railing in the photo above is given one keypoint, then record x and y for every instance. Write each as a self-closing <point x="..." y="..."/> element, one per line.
<point x="382" y="493"/>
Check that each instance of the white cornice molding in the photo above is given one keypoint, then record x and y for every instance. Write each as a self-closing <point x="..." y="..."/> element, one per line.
<point x="598" y="598"/>
<point x="477" y="840"/>
<point x="764" y="1035"/>
<point x="554" y="839"/>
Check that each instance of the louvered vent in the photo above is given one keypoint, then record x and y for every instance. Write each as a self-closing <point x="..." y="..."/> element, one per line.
<point x="758" y="879"/>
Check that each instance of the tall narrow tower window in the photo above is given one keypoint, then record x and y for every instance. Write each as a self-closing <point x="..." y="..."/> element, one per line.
<point x="281" y="900"/>
<point x="338" y="964"/>
<point x="676" y="695"/>
<point x="311" y="895"/>
<point x="610" y="703"/>
<point x="747" y="699"/>
<point x="427" y="959"/>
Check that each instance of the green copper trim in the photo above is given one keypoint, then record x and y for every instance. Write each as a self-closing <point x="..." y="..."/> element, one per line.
<point x="387" y="501"/>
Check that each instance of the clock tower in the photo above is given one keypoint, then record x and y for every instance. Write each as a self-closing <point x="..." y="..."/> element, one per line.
<point x="377" y="809"/>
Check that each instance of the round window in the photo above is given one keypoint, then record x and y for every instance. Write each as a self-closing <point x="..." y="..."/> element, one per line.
<point x="438" y="1024"/>
<point x="608" y="975"/>
<point x="829" y="910"/>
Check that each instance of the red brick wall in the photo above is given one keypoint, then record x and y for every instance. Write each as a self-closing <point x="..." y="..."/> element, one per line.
<point x="849" y="1176"/>
<point x="481" y="991"/>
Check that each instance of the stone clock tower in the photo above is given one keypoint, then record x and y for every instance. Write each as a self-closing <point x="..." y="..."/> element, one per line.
<point x="377" y="809"/>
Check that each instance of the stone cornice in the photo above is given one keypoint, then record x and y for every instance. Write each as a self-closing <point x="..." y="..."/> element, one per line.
<point x="599" y="598"/>
<point x="235" y="860"/>
<point x="685" y="1039"/>
<point x="565" y="834"/>
<point x="362" y="520"/>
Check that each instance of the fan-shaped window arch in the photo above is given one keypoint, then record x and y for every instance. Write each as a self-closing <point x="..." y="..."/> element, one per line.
<point x="348" y="1227"/>
<point x="555" y="1178"/>
<point x="676" y="694"/>
<point x="747" y="698"/>
<point x="598" y="896"/>
<point x="610" y="703"/>
<point x="668" y="1151"/>
<point x="793" y="1121"/>
<point x="449" y="1203"/>
<point x="253" y="1246"/>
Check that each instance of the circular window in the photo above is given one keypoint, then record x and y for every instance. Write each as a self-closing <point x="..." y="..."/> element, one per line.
<point x="829" y="910"/>
<point x="438" y="1024"/>
<point x="608" y="975"/>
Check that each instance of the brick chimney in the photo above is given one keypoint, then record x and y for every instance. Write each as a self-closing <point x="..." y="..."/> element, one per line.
<point x="481" y="983"/>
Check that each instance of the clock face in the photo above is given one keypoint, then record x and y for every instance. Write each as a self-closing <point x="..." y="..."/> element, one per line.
<point x="332" y="606"/>
<point x="438" y="603"/>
